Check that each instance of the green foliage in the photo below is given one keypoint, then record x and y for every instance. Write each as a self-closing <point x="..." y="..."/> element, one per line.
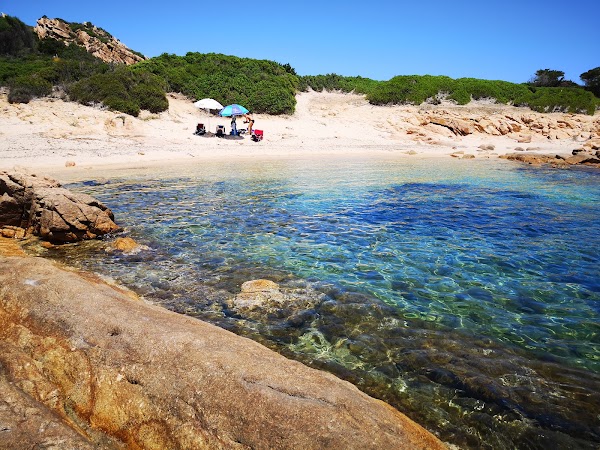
<point x="334" y="82"/>
<point x="12" y="67"/>
<point x="261" y="86"/>
<point x="419" y="89"/>
<point x="121" y="90"/>
<point x="564" y="99"/>
<point x="591" y="79"/>
<point x="27" y="87"/>
<point x="16" y="38"/>
<point x="547" y="78"/>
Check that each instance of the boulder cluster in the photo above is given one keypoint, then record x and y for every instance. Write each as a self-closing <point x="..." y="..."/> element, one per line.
<point x="40" y="206"/>
<point x="521" y="125"/>
<point x="579" y="157"/>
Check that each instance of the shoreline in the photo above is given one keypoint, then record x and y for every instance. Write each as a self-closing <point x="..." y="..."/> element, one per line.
<point x="50" y="133"/>
<point x="69" y="141"/>
<point x="214" y="374"/>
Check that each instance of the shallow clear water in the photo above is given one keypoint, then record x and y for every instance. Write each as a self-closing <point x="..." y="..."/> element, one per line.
<point x="466" y="294"/>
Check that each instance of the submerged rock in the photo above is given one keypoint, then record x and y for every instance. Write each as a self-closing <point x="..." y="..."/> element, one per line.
<point x="259" y="300"/>
<point x="42" y="207"/>
<point x="126" y="245"/>
<point x="258" y="293"/>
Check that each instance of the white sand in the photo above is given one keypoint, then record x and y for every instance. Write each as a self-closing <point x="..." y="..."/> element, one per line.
<point x="48" y="134"/>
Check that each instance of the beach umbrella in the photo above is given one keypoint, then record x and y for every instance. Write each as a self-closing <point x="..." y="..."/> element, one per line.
<point x="233" y="110"/>
<point x="208" y="104"/>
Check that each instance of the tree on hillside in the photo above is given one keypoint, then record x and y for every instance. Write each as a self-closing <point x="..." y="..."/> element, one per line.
<point x="548" y="78"/>
<point x="591" y="79"/>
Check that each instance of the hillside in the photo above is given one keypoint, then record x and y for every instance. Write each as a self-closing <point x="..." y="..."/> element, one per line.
<point x="84" y="63"/>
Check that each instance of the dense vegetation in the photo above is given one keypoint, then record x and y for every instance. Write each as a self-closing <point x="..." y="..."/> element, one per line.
<point x="418" y="89"/>
<point x="30" y="68"/>
<point x="260" y="85"/>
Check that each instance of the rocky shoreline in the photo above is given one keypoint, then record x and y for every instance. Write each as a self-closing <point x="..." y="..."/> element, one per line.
<point x="123" y="373"/>
<point x="40" y="206"/>
<point x="579" y="157"/>
<point x="84" y="364"/>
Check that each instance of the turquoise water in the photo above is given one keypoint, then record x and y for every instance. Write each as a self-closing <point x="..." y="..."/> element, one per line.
<point x="464" y="293"/>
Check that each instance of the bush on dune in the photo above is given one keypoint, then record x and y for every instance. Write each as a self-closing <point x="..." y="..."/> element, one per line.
<point x="418" y="89"/>
<point x="24" y="88"/>
<point x="121" y="90"/>
<point x="565" y="99"/>
<point x="334" y="82"/>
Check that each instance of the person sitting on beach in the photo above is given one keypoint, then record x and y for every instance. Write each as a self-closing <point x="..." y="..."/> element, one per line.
<point x="250" y="121"/>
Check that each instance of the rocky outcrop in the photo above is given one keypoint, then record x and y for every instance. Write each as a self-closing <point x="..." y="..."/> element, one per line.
<point x="554" y="160"/>
<point x="124" y="373"/>
<point x="520" y="125"/>
<point x="95" y="40"/>
<point x="40" y="206"/>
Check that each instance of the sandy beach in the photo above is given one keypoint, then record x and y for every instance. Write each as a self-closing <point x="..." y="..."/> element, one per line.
<point x="54" y="134"/>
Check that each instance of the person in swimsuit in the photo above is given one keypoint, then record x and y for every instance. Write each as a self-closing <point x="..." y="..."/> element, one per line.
<point x="250" y="121"/>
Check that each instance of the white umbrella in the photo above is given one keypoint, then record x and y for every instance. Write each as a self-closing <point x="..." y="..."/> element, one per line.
<point x="208" y="104"/>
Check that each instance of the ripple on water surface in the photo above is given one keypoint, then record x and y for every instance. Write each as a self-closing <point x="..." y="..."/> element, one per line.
<point x="465" y="294"/>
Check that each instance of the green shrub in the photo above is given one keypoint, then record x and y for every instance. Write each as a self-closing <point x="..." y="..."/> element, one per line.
<point x="334" y="82"/>
<point x="24" y="88"/>
<point x="417" y="89"/>
<point x="556" y="99"/>
<point x="121" y="90"/>
<point x="261" y="86"/>
<point x="121" y="104"/>
<point x="149" y="93"/>
<point x="411" y="89"/>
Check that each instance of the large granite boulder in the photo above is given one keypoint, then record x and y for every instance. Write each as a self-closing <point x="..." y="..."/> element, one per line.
<point x="125" y="373"/>
<point x="42" y="207"/>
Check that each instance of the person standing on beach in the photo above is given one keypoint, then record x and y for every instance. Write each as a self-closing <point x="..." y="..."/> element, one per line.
<point x="250" y="121"/>
<point x="234" y="131"/>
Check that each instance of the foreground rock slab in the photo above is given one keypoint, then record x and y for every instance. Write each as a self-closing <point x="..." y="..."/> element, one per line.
<point x="122" y="372"/>
<point x="40" y="206"/>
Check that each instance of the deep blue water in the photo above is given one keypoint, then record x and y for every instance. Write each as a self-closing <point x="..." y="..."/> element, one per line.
<point x="466" y="294"/>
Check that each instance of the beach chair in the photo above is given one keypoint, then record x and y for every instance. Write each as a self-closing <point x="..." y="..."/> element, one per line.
<point x="200" y="129"/>
<point x="257" y="135"/>
<point x="220" y="130"/>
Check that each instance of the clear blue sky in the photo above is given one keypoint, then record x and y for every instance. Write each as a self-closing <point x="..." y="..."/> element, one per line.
<point x="506" y="40"/>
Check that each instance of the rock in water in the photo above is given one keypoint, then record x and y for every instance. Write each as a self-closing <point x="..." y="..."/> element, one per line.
<point x="144" y="377"/>
<point x="42" y="207"/>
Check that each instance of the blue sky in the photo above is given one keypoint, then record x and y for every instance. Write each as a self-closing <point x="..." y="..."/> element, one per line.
<point x="505" y="40"/>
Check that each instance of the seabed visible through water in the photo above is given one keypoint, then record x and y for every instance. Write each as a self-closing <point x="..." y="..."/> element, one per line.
<point x="464" y="293"/>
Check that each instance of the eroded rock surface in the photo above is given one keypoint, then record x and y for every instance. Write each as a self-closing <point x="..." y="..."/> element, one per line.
<point x="124" y="372"/>
<point x="41" y="206"/>
<point x="95" y="40"/>
<point x="554" y="160"/>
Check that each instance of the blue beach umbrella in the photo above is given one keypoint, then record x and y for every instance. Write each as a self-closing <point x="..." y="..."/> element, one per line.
<point x="233" y="110"/>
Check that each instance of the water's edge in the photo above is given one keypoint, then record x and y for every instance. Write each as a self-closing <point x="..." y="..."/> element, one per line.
<point x="471" y="389"/>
